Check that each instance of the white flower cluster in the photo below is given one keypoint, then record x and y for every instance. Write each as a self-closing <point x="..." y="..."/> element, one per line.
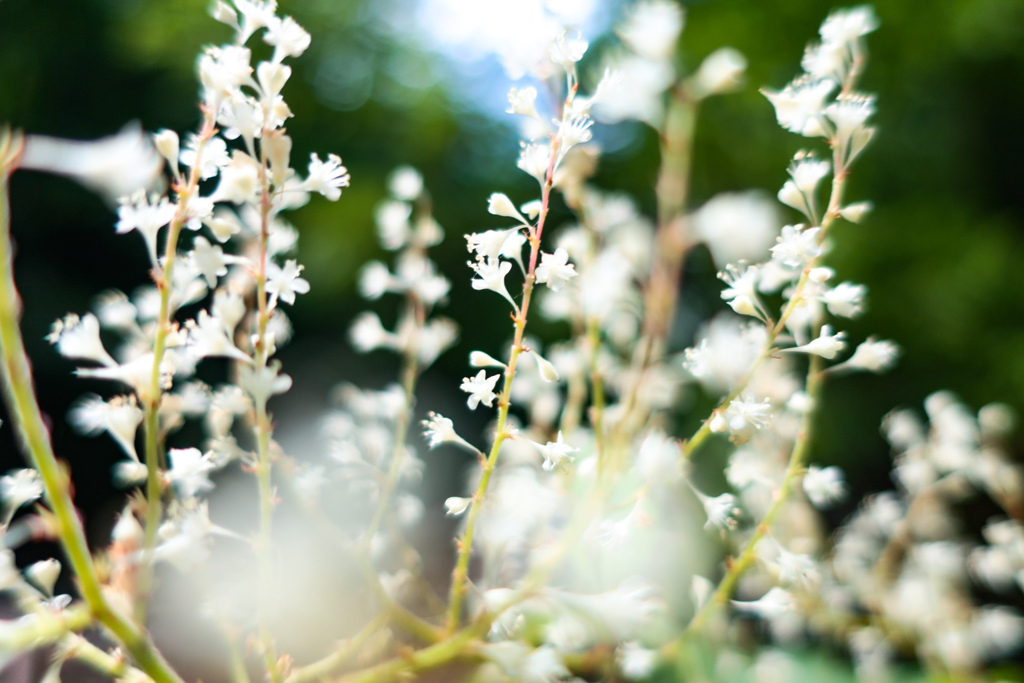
<point x="586" y="507"/>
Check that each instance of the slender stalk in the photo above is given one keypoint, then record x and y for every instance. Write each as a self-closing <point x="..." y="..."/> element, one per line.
<point x="34" y="438"/>
<point x="261" y="355"/>
<point x="115" y="666"/>
<point x="459" y="646"/>
<point x="347" y="650"/>
<point x="410" y="373"/>
<point x="45" y="626"/>
<point x="797" y="459"/>
<point x="670" y="249"/>
<point x="460" y="575"/>
<point x="163" y="276"/>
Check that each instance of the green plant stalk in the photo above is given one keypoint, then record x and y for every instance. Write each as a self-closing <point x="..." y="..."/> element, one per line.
<point x="460" y="575"/>
<point x="24" y="413"/>
<point x="349" y="648"/>
<point x="459" y="646"/>
<point x="797" y="460"/>
<point x="261" y="354"/>
<point x="831" y="214"/>
<point x="410" y="373"/>
<point x="151" y="404"/>
<point x="113" y="666"/>
<point x="46" y="626"/>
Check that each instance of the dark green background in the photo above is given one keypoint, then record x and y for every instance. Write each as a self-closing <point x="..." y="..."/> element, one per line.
<point x="942" y="254"/>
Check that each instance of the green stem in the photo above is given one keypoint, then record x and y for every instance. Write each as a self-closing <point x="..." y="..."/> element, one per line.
<point x="34" y="438"/>
<point x="459" y="646"/>
<point x="410" y="373"/>
<point x="164" y="277"/>
<point x="113" y="666"/>
<point x="797" y="459"/>
<point x="460" y="575"/>
<point x="349" y="648"/>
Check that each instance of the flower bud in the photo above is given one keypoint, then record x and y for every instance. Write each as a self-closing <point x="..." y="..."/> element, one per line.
<point x="721" y="71"/>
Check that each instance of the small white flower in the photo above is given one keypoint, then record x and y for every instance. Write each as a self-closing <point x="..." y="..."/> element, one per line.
<point x="651" y="28"/>
<point x="43" y="575"/>
<point x="799" y="107"/>
<point x="797" y="246"/>
<point x="500" y="205"/>
<point x="535" y="160"/>
<point x="405" y="183"/>
<point x="208" y="337"/>
<point x="721" y="510"/>
<point x="480" y="389"/>
<point x="285" y="283"/>
<point x="874" y="355"/>
<point x="455" y="506"/>
<point x="120" y="417"/>
<point x="479" y="359"/>
<point x="845" y="299"/>
<point x="824" y="486"/>
<point x="555" y="269"/>
<point x="772" y="604"/>
<point x="491" y="243"/>
<point x="746" y="414"/>
<point x="438" y="429"/>
<point x="367" y="333"/>
<point x="808" y="172"/>
<point x="721" y="71"/>
<point x="567" y="51"/>
<point x="79" y="338"/>
<point x="490" y="274"/>
<point x="555" y="452"/>
<point x="326" y="177"/>
<point x="523" y="102"/>
<point x="20" y="487"/>
<point x="573" y="131"/>
<point x="146" y="216"/>
<point x="856" y="212"/>
<point x="636" y="661"/>
<point x="262" y="383"/>
<point x="847" y="25"/>
<point x="190" y="471"/>
<point x="288" y="38"/>
<point x="215" y="156"/>
<point x="827" y="345"/>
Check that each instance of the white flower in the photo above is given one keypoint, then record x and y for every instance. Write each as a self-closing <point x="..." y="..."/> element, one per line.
<point x="120" y="417"/>
<point x="479" y="359"/>
<point x="555" y="270"/>
<point x="796" y="569"/>
<point x="455" y="506"/>
<point x="855" y="212"/>
<point x="573" y="131"/>
<point x="796" y="246"/>
<point x="209" y="260"/>
<point x="367" y="333"/>
<point x="747" y="413"/>
<point x="215" y="156"/>
<point x="44" y="575"/>
<point x="222" y="71"/>
<point x="167" y="143"/>
<point x="799" y="106"/>
<point x="742" y="291"/>
<point x="824" y="486"/>
<point x="774" y="603"/>
<point x="392" y="220"/>
<point x="535" y="160"/>
<point x="847" y="25"/>
<point x="138" y="213"/>
<point x="737" y="226"/>
<point x="285" y="283"/>
<point x="208" y="337"/>
<point x="490" y="274"/>
<point x="480" y="389"/>
<point x="873" y="355"/>
<point x="652" y="28"/>
<point x="827" y="345"/>
<point x="721" y="510"/>
<point x="555" y="452"/>
<point x="721" y="71"/>
<point x="288" y="38"/>
<point x="190" y="470"/>
<point x="326" y="177"/>
<point x="20" y="487"/>
<point x="523" y="102"/>
<point x="807" y="172"/>
<point x="543" y="665"/>
<point x="491" y="243"/>
<point x="438" y="429"/>
<point x="405" y="183"/>
<point x="262" y="383"/>
<point x="114" y="166"/>
<point x="567" y="51"/>
<point x="636" y="661"/>
<point x="845" y="299"/>
<point x="79" y="338"/>
<point x="500" y="205"/>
